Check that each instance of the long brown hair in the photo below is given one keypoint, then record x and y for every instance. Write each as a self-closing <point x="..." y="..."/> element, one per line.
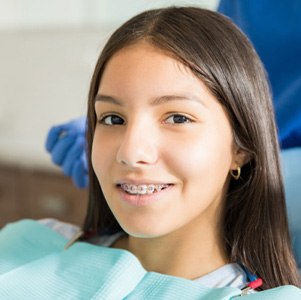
<point x="255" y="226"/>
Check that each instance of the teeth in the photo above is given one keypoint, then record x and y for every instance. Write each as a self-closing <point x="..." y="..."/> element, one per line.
<point x="151" y="188"/>
<point x="143" y="188"/>
<point x="133" y="189"/>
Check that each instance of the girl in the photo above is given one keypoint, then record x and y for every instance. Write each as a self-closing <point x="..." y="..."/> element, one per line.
<point x="183" y="153"/>
<point x="183" y="161"/>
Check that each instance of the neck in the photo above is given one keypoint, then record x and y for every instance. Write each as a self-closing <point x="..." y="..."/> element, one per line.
<point x="184" y="253"/>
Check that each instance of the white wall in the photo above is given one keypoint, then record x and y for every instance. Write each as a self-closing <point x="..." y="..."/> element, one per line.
<point x="47" y="53"/>
<point x="45" y="13"/>
<point x="44" y="79"/>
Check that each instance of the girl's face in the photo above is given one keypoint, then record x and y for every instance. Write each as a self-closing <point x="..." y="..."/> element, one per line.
<point x="162" y="148"/>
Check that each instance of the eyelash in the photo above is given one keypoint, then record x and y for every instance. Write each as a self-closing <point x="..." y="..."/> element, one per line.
<point x="102" y="119"/>
<point x="187" y="120"/>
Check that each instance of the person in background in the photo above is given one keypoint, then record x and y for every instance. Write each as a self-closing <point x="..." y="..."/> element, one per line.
<point x="274" y="27"/>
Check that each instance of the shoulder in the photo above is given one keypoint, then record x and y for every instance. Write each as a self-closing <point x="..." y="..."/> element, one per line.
<point x="68" y="231"/>
<point x="230" y="275"/>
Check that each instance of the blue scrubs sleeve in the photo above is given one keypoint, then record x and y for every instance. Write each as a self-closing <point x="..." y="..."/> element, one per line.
<point x="274" y="27"/>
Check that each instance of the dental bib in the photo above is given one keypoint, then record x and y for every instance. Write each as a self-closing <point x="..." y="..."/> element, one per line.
<point x="34" y="265"/>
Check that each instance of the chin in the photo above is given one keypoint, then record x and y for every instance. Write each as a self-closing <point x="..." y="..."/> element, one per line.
<point x="143" y="232"/>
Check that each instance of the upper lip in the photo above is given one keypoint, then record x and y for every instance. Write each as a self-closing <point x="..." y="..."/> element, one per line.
<point x="141" y="181"/>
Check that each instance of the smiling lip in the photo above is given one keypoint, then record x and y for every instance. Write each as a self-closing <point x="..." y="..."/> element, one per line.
<point x="142" y="199"/>
<point x="140" y="182"/>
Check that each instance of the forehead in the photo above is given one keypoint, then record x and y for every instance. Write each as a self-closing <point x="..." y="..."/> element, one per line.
<point x="144" y="55"/>
<point x="144" y="65"/>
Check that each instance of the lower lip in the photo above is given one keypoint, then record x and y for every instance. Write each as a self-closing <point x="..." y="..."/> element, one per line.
<point x="143" y="200"/>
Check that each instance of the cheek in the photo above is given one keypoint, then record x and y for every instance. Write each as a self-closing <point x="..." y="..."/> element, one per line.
<point x="101" y="157"/>
<point x="205" y="158"/>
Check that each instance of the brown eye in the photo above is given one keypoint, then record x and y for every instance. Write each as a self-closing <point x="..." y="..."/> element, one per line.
<point x="112" y="120"/>
<point x="177" y="119"/>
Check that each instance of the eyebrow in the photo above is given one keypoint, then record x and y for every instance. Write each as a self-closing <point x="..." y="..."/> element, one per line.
<point x="156" y="101"/>
<point x="108" y="99"/>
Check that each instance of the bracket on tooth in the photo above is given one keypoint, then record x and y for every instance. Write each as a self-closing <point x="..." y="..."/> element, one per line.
<point x="143" y="188"/>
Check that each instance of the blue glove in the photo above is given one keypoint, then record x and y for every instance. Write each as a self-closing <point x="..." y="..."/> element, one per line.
<point x="66" y="144"/>
<point x="274" y="27"/>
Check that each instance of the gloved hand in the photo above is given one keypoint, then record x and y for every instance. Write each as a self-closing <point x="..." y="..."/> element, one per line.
<point x="67" y="146"/>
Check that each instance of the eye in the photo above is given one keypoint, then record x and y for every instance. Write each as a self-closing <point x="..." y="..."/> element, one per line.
<point x="177" y="119"/>
<point x="111" y="120"/>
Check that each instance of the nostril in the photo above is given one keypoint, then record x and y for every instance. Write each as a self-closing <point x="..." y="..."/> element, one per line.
<point x="135" y="153"/>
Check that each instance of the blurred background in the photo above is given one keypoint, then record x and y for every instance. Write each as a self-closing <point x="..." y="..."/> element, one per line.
<point x="48" y="50"/>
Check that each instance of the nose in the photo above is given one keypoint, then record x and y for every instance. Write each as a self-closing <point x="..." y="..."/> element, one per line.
<point x="138" y="146"/>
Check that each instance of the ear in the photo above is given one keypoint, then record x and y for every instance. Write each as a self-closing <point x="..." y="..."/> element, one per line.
<point x="240" y="158"/>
